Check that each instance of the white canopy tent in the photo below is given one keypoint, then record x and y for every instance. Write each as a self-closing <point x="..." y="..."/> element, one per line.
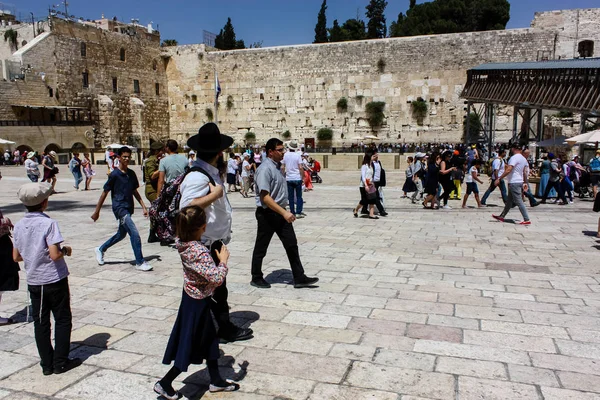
<point x="4" y="141"/>
<point x="588" y="137"/>
<point x="117" y="146"/>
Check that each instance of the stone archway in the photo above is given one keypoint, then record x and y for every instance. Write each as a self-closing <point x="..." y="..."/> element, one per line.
<point x="53" y="147"/>
<point x="78" y="147"/>
<point x="23" y="148"/>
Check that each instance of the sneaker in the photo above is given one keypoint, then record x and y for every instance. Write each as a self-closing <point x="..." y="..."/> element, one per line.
<point x="447" y="207"/>
<point x="570" y="201"/>
<point x="305" y="282"/>
<point x="144" y="266"/>
<point x="99" y="256"/>
<point x="298" y="216"/>
<point x="158" y="389"/>
<point x="69" y="365"/>
<point x="534" y="204"/>
<point x="260" y="283"/>
<point x="302" y="213"/>
<point x="499" y="218"/>
<point x="225" y="386"/>
<point x="525" y="223"/>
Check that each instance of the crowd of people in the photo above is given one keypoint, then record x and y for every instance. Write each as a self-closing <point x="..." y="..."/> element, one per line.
<point x="189" y="209"/>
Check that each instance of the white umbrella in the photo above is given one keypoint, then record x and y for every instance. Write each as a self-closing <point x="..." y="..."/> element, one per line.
<point x="589" y="137"/>
<point x="4" y="141"/>
<point x="555" y="141"/>
<point x="358" y="138"/>
<point x="371" y="137"/>
<point x="116" y="146"/>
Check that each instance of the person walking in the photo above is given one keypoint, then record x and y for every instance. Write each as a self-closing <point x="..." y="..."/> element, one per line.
<point x="191" y="158"/>
<point x="32" y="167"/>
<point x="527" y="193"/>
<point x="38" y="243"/>
<point x="446" y="178"/>
<point x="291" y="168"/>
<point x="595" y="172"/>
<point x="380" y="182"/>
<point x="554" y="182"/>
<point x="203" y="187"/>
<point x="194" y="336"/>
<point x="75" y="168"/>
<point x="471" y="179"/>
<point x="246" y="171"/>
<point x="498" y="167"/>
<point x="409" y="184"/>
<point x="368" y="191"/>
<point x="232" y="167"/>
<point x="418" y="171"/>
<point x="123" y="185"/>
<point x="170" y="166"/>
<point x="272" y="217"/>
<point x="89" y="173"/>
<point x="151" y="175"/>
<point x="9" y="268"/>
<point x="432" y="180"/>
<point x="50" y="170"/>
<point x="517" y="174"/>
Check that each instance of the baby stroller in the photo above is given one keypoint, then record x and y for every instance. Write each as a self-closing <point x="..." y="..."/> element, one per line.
<point x="314" y="174"/>
<point x="584" y="186"/>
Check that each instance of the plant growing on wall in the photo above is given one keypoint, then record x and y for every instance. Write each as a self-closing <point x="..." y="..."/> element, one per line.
<point x="375" y="114"/>
<point x="381" y="65"/>
<point x="342" y="104"/>
<point x="10" y="36"/>
<point x="250" y="137"/>
<point x="419" y="109"/>
<point x="474" y="124"/>
<point x="324" y="137"/>
<point x="229" y="104"/>
<point x="286" y="135"/>
<point x="209" y="114"/>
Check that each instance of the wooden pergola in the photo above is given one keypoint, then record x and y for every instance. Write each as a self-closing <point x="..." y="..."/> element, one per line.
<point x="531" y="87"/>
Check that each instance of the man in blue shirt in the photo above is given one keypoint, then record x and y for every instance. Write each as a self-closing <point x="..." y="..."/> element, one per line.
<point x="123" y="186"/>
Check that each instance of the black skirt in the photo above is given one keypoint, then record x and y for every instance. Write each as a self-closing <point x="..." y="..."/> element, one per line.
<point x="409" y="186"/>
<point x="597" y="203"/>
<point x="194" y="336"/>
<point x="364" y="197"/>
<point x="9" y="270"/>
<point x="231" y="179"/>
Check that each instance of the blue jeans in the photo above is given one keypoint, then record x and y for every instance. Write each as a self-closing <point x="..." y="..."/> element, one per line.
<point x="78" y="178"/>
<point x="126" y="226"/>
<point x="295" y="196"/>
<point x="492" y="188"/>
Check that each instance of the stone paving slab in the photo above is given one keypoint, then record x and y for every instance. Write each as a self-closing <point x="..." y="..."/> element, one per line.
<point x="420" y="305"/>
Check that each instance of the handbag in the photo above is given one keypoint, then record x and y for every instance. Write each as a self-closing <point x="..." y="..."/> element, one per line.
<point x="371" y="192"/>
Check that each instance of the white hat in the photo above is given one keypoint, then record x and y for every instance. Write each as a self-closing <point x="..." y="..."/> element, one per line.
<point x="52" y="154"/>
<point x="31" y="154"/>
<point x="293" y="145"/>
<point x="192" y="152"/>
<point x="32" y="194"/>
<point x="246" y="155"/>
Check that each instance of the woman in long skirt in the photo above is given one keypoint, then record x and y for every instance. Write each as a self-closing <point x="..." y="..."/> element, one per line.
<point x="9" y="269"/>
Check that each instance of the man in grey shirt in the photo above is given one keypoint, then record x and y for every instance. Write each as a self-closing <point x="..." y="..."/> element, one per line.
<point x="171" y="166"/>
<point x="272" y="217"/>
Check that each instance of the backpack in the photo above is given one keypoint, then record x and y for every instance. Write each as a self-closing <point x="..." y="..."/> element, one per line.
<point x="572" y="171"/>
<point x="595" y="164"/>
<point x="163" y="210"/>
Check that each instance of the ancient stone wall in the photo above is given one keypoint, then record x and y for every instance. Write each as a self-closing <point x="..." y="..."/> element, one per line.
<point x="39" y="137"/>
<point x="296" y="88"/>
<point x="24" y="35"/>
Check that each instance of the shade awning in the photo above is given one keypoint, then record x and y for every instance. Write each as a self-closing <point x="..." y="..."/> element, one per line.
<point x="589" y="137"/>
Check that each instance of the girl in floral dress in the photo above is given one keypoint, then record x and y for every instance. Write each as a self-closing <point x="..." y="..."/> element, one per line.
<point x="194" y="336"/>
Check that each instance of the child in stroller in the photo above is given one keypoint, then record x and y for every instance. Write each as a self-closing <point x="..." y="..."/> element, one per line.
<point x="584" y="186"/>
<point x="315" y="169"/>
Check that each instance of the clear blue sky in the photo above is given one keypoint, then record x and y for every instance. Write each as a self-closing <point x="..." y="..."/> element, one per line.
<point x="275" y="22"/>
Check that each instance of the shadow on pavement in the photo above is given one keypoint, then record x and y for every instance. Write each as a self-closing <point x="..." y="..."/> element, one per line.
<point x="196" y="385"/>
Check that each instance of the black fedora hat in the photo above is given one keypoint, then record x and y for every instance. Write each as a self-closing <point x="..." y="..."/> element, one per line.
<point x="209" y="139"/>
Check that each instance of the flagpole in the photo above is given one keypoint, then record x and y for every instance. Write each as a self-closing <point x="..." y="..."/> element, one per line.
<point x="216" y="97"/>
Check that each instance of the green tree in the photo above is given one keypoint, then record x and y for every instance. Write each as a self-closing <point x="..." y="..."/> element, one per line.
<point x="336" y="33"/>
<point x="10" y="36"/>
<point x="412" y="3"/>
<point x="450" y="16"/>
<point x="169" y="42"/>
<point x="376" y="27"/>
<point x="321" y="27"/>
<point x="226" y="40"/>
<point x="354" y="29"/>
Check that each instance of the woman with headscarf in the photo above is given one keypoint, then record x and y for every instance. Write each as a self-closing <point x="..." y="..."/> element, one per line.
<point x="446" y="177"/>
<point x="368" y="192"/>
<point x="545" y="176"/>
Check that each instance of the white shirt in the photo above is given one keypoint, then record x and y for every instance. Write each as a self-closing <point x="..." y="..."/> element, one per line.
<point x="292" y="160"/>
<point x="376" y="171"/>
<point x="469" y="177"/>
<point x="519" y="163"/>
<point x="498" y="164"/>
<point x="31" y="167"/>
<point x="366" y="172"/>
<point x="218" y="214"/>
<point x="231" y="166"/>
<point x="245" y="172"/>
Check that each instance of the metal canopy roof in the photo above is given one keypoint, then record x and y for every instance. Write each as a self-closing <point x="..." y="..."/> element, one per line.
<point x="570" y="85"/>
<point x="530" y="65"/>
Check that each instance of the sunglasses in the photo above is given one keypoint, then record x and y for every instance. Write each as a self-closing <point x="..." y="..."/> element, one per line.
<point x="282" y="150"/>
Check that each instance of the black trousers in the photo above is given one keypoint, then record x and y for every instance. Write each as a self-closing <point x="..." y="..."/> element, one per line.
<point x="448" y="186"/>
<point x="378" y="204"/>
<point x="556" y="186"/>
<point x="54" y="298"/>
<point x="220" y="307"/>
<point x="269" y="223"/>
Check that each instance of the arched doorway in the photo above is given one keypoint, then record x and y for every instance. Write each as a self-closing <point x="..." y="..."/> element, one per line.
<point x="585" y="48"/>
<point x="53" y="147"/>
<point x="80" y="147"/>
<point x="23" y="148"/>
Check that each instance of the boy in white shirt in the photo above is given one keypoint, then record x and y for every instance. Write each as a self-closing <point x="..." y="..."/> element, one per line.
<point x="470" y="179"/>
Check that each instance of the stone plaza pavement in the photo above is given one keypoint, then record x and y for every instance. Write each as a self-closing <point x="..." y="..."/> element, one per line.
<point x="422" y="304"/>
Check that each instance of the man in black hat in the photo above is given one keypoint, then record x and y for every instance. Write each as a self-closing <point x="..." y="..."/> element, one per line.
<point x="198" y="190"/>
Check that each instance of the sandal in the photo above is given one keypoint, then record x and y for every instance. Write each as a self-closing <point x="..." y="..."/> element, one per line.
<point x="8" y="321"/>
<point x="373" y="217"/>
<point x="355" y="214"/>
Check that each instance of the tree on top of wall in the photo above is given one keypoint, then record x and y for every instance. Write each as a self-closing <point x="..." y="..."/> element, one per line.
<point x="226" y="40"/>
<point x="376" y="27"/>
<point x="352" y="29"/>
<point x="443" y="16"/>
<point x="169" y="43"/>
<point x="321" y="27"/>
